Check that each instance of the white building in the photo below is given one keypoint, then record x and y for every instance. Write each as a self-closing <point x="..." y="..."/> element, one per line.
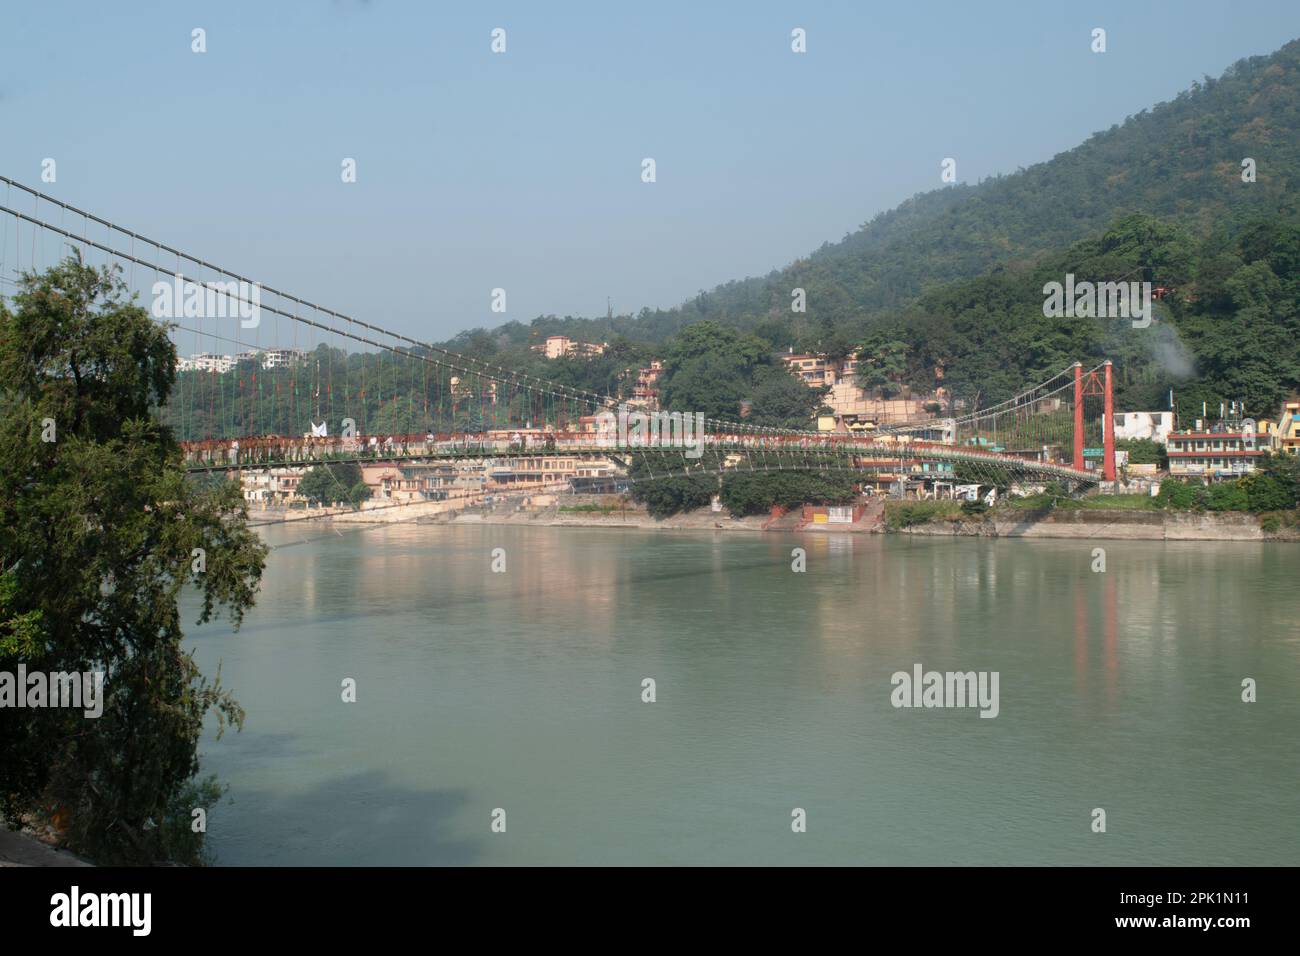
<point x="271" y="486"/>
<point x="211" y="362"/>
<point x="282" y="358"/>
<point x="1155" y="426"/>
<point x="205" y="362"/>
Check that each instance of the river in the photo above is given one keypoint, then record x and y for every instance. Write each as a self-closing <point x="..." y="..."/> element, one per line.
<point x="522" y="691"/>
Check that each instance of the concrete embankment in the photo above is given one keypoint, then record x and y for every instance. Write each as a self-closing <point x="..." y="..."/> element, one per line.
<point x="597" y="511"/>
<point x="372" y="513"/>
<point x="701" y="520"/>
<point x="600" y="511"/>
<point x="1100" y="523"/>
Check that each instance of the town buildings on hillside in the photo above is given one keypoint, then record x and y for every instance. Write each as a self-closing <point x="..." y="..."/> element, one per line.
<point x="220" y="364"/>
<point x="852" y="408"/>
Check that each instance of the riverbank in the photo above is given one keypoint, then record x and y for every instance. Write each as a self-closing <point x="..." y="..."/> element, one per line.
<point x="1101" y="523"/>
<point x="702" y="520"/>
<point x="23" y="848"/>
<point x="1096" y="520"/>
<point x="1067" y="523"/>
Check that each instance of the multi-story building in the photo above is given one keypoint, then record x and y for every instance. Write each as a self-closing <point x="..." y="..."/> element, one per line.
<point x="559" y="346"/>
<point x="211" y="362"/>
<point x="419" y="481"/>
<point x="544" y="471"/>
<point x="1286" y="433"/>
<point x="282" y="358"/>
<point x="646" y="380"/>
<point x="1225" y="450"/>
<point x="1153" y="426"/>
<point x="816" y="370"/>
<point x="272" y="486"/>
<point x="205" y="362"/>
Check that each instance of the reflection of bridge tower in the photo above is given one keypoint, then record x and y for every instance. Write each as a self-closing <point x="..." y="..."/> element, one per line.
<point x="1092" y="384"/>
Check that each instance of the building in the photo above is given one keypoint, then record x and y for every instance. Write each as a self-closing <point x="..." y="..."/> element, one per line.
<point x="1152" y="426"/>
<point x="272" y="486"/>
<point x="646" y="380"/>
<point x="1286" y="433"/>
<point x="816" y="370"/>
<point x="423" y="481"/>
<point x="211" y="362"/>
<point x="850" y="404"/>
<point x="206" y="362"/>
<point x="560" y="346"/>
<point x="1223" y="451"/>
<point x="543" y="471"/>
<point x="282" y="358"/>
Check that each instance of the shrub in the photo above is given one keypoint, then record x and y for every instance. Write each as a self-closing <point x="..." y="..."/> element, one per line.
<point x="1181" y="495"/>
<point x="906" y="514"/>
<point x="1264" y="492"/>
<point x="1227" y="496"/>
<point x="1144" y="451"/>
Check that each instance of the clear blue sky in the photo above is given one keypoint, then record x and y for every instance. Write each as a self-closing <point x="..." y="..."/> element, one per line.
<point x="522" y="170"/>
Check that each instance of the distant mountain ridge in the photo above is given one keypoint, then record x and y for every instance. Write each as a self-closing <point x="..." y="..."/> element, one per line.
<point x="1180" y="160"/>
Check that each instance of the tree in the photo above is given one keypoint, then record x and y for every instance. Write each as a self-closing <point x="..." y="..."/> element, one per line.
<point x="334" y="483"/>
<point x="1266" y="493"/>
<point x="882" y="364"/>
<point x="751" y="493"/>
<point x="782" y="400"/>
<point x="1227" y="496"/>
<point x="100" y="532"/>
<point x="1285" y="470"/>
<point x="1182" y="495"/>
<point x="708" y="369"/>
<point x="401" y="416"/>
<point x="1144" y="451"/>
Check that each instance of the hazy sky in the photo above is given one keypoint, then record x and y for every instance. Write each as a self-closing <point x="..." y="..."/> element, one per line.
<point x="523" y="170"/>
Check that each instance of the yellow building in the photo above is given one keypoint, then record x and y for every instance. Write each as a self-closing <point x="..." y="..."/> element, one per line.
<point x="1287" y="431"/>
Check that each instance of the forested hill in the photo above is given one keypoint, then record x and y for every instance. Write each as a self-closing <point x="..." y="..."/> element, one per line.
<point x="1181" y="160"/>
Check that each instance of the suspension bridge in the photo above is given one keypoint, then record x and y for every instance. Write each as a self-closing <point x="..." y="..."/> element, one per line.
<point x="277" y="381"/>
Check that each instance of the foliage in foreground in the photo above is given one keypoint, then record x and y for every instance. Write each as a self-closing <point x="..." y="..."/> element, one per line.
<point x="100" y="532"/>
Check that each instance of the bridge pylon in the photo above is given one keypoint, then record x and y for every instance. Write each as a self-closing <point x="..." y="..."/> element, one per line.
<point x="1091" y="384"/>
<point x="1078" y="416"/>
